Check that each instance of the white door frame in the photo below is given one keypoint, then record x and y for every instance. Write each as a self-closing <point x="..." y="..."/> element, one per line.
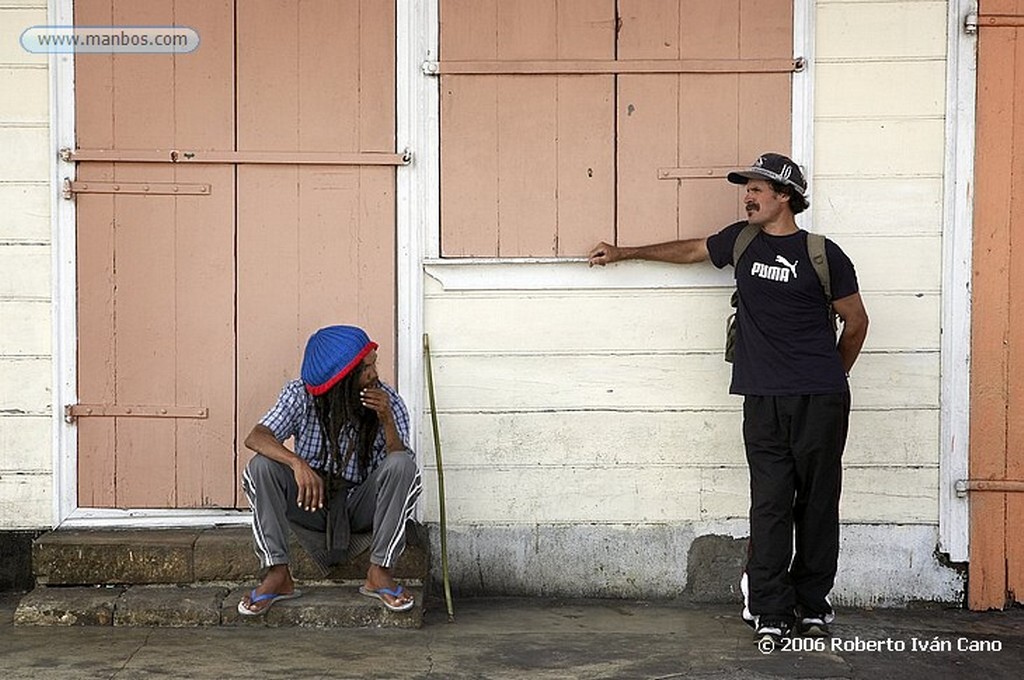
<point x="64" y="283"/>
<point x="957" y="242"/>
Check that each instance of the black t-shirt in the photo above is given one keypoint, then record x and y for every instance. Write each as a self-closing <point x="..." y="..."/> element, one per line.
<point x="784" y="341"/>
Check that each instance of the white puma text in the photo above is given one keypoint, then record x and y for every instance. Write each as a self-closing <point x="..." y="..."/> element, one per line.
<point x="766" y="271"/>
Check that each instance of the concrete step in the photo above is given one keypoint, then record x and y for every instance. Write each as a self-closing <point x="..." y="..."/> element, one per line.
<point x="188" y="556"/>
<point x="322" y="605"/>
<point x="196" y="577"/>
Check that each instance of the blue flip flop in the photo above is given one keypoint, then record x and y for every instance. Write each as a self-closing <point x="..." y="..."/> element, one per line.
<point x="395" y="593"/>
<point x="269" y="598"/>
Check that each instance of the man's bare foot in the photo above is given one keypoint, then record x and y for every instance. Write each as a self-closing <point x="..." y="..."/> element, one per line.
<point x="277" y="581"/>
<point x="378" y="580"/>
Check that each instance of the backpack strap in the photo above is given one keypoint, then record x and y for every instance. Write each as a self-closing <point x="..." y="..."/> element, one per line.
<point x="816" y="249"/>
<point x="819" y="261"/>
<point x="743" y="239"/>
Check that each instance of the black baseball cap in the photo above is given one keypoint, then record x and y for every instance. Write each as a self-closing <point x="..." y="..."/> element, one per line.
<point x="774" y="167"/>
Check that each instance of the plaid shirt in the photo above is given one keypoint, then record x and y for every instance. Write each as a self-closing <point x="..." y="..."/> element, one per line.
<point x="294" y="415"/>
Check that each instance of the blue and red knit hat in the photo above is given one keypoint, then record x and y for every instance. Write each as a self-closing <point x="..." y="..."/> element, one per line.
<point x="331" y="354"/>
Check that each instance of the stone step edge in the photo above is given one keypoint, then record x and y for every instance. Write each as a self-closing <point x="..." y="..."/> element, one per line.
<point x="195" y="555"/>
<point x="407" y="581"/>
<point x="191" y="606"/>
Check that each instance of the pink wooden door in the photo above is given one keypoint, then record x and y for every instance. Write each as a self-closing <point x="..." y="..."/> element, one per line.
<point x="196" y="294"/>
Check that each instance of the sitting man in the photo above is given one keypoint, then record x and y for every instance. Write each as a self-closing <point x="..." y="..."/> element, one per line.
<point x="352" y="470"/>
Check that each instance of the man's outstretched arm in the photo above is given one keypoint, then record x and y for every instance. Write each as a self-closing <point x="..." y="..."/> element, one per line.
<point x="677" y="252"/>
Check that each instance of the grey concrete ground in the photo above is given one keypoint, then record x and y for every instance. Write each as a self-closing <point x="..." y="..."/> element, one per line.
<point x="516" y="638"/>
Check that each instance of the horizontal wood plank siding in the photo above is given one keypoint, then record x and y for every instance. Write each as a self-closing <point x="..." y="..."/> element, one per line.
<point x="687" y="439"/>
<point x="620" y="321"/>
<point x="26" y="369"/>
<point x="611" y="495"/>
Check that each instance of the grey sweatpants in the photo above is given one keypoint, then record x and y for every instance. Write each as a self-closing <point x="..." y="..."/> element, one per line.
<point x="381" y="504"/>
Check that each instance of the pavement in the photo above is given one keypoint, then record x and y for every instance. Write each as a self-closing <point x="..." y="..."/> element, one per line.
<point x="531" y="638"/>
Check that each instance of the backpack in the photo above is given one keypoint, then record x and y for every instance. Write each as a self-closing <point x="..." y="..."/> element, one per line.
<point x="816" y="250"/>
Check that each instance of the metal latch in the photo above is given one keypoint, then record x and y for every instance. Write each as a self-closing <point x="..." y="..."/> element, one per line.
<point x="707" y="172"/>
<point x="611" y="66"/>
<point x="185" y="157"/>
<point x="972" y="22"/>
<point x="73" y="411"/>
<point x="963" y="486"/>
<point x="72" y="187"/>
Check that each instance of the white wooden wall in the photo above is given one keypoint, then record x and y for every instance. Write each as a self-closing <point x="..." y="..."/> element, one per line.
<point x="610" y="405"/>
<point x="26" y="452"/>
<point x="879" y="162"/>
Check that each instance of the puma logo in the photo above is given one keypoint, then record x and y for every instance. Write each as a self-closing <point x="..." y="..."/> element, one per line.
<point x="791" y="266"/>
<point x="764" y="271"/>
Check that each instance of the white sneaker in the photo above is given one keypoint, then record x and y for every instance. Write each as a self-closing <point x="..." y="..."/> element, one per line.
<point x="771" y="629"/>
<point x="748" y="618"/>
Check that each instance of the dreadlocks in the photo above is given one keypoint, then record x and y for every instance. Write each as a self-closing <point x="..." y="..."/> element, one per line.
<point x="339" y="409"/>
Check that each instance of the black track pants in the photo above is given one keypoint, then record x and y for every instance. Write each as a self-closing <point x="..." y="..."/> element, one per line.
<point x="794" y="451"/>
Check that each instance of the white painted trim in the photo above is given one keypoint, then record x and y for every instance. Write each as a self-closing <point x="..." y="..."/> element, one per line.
<point x="63" y="280"/>
<point x="803" y="100"/>
<point x="540" y="274"/>
<point x="961" y="85"/>
<point x="89" y="518"/>
<point x="428" y="161"/>
<point x="417" y="194"/>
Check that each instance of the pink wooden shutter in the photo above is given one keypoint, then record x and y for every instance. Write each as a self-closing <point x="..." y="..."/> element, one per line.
<point x="536" y="165"/>
<point x="695" y="126"/>
<point x="527" y="162"/>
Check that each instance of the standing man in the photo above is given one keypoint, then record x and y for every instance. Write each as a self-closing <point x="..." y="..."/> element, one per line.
<point x="352" y="470"/>
<point x="793" y="375"/>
